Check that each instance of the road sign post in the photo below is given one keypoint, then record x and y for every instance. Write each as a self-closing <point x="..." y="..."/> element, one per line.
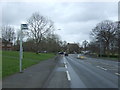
<point x="21" y="51"/>
<point x="23" y="27"/>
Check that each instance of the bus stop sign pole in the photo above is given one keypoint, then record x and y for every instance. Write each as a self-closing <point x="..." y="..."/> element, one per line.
<point x="23" y="27"/>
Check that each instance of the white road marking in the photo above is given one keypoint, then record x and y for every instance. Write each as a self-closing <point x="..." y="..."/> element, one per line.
<point x="68" y="76"/>
<point x="65" y="66"/>
<point x="117" y="73"/>
<point x="97" y="66"/>
<point x="101" y="67"/>
<point x="64" y="62"/>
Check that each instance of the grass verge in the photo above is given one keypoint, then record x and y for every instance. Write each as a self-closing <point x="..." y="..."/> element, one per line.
<point x="10" y="61"/>
<point x="108" y="58"/>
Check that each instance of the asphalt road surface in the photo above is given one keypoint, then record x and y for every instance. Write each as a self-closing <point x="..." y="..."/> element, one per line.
<point x="88" y="73"/>
<point x="92" y="73"/>
<point x="68" y="72"/>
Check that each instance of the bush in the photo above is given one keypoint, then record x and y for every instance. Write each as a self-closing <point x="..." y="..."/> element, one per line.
<point x="111" y="56"/>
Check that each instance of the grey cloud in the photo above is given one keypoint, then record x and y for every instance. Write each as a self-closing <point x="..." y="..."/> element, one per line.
<point x="75" y="20"/>
<point x="83" y="12"/>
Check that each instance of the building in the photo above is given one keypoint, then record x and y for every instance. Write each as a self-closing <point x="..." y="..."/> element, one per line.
<point x="6" y="45"/>
<point x="73" y="48"/>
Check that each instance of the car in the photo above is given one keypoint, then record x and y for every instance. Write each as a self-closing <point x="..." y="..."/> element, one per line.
<point x="66" y="54"/>
<point x="61" y="53"/>
<point x="81" y="57"/>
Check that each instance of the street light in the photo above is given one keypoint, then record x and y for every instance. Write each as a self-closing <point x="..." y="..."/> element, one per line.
<point x="23" y="27"/>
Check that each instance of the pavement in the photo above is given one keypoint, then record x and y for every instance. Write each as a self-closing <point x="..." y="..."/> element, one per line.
<point x="33" y="77"/>
<point x="67" y="72"/>
<point x="58" y="78"/>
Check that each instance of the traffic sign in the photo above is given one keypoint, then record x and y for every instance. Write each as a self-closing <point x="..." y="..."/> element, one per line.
<point x="24" y="26"/>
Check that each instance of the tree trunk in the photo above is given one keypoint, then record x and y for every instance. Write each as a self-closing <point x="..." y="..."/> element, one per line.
<point x="108" y="49"/>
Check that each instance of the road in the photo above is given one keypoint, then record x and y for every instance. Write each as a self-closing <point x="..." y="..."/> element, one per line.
<point x="89" y="73"/>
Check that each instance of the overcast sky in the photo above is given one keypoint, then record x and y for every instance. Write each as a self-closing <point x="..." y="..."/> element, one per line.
<point x="75" y="19"/>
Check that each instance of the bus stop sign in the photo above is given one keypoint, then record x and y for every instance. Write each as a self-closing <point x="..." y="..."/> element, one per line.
<point x="24" y="26"/>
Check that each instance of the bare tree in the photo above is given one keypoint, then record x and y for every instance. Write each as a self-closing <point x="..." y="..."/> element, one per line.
<point x="93" y="47"/>
<point x="8" y="33"/>
<point x="118" y="38"/>
<point x="104" y="33"/>
<point x="85" y="43"/>
<point x="52" y="43"/>
<point x="39" y="27"/>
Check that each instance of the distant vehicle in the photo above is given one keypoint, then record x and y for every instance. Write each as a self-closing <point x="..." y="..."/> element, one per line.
<point x="61" y="52"/>
<point x="81" y="57"/>
<point x="42" y="51"/>
<point x="66" y="54"/>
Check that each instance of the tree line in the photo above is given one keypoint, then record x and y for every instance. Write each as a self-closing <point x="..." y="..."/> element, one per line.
<point x="105" y="39"/>
<point x="39" y="38"/>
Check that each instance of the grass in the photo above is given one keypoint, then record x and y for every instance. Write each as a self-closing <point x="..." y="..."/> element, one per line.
<point x="109" y="58"/>
<point x="10" y="61"/>
<point x="105" y="57"/>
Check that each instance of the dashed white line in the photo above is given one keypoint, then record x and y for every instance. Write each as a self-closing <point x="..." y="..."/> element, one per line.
<point x="97" y="66"/>
<point x="68" y="76"/>
<point x="101" y="68"/>
<point x="64" y="62"/>
<point x="65" y="66"/>
<point x="117" y="73"/>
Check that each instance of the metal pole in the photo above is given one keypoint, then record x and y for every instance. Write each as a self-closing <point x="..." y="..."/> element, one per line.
<point x="100" y="47"/>
<point x="21" y="51"/>
<point x="23" y="27"/>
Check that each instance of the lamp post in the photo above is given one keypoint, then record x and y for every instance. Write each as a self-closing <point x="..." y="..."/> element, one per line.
<point x="23" y="27"/>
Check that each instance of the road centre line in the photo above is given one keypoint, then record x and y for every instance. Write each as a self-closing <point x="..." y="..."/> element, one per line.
<point x="68" y="76"/>
<point x="64" y="62"/>
<point x="117" y="73"/>
<point x="65" y="66"/>
<point x="97" y="66"/>
<point x="101" y="67"/>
